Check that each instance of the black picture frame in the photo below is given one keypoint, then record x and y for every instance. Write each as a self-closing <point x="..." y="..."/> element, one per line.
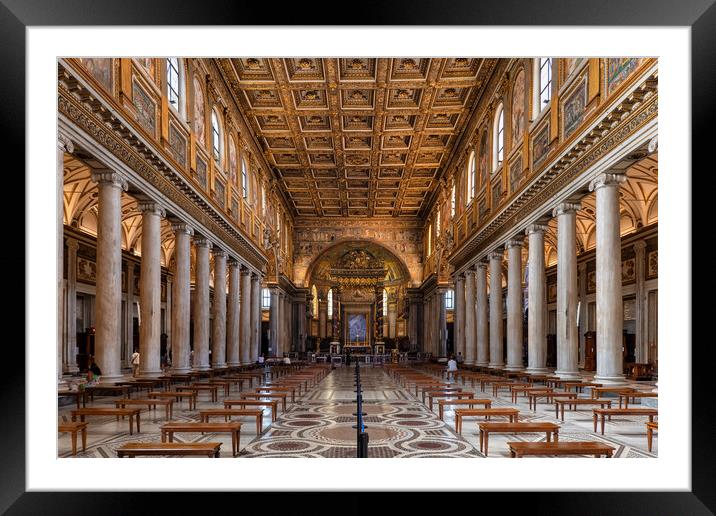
<point x="17" y="15"/>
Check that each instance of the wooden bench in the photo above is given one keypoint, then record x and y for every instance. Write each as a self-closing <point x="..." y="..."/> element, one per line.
<point x="496" y="386"/>
<point x="210" y="450"/>
<point x="470" y="402"/>
<point x="151" y="403"/>
<point x="234" y="428"/>
<point x="524" y="389"/>
<point x="273" y="404"/>
<point x="74" y="427"/>
<point x="439" y="389"/>
<point x="205" y="415"/>
<point x="275" y="396"/>
<point x="115" y="389"/>
<point x="75" y="394"/>
<point x="609" y="412"/>
<point x="625" y="396"/>
<point x="178" y="395"/>
<point x="559" y="404"/>
<point x="522" y="449"/>
<point x="579" y="386"/>
<point x="107" y="411"/>
<point x="275" y="388"/>
<point x="515" y="428"/>
<point x="449" y="394"/>
<point x="651" y="427"/>
<point x="550" y="395"/>
<point x="430" y="386"/>
<point x="197" y="387"/>
<point x="598" y="391"/>
<point x="511" y="413"/>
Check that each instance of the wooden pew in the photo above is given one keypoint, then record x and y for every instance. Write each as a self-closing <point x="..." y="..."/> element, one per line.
<point x="559" y="404"/>
<point x="205" y="415"/>
<point x="515" y="428"/>
<point x="470" y="402"/>
<point x="178" y="395"/>
<point x="151" y="403"/>
<point x="523" y="449"/>
<point x="273" y="404"/>
<point x="196" y="387"/>
<point x="550" y="395"/>
<point x="210" y="449"/>
<point x="115" y="389"/>
<point x="258" y="396"/>
<point x="609" y="412"/>
<point x="234" y="428"/>
<point x="77" y="395"/>
<point x="598" y="391"/>
<point x="107" y="411"/>
<point x="625" y="396"/>
<point x="511" y="413"/>
<point x="271" y="389"/>
<point x="74" y="427"/>
<point x="651" y="427"/>
<point x="447" y="394"/>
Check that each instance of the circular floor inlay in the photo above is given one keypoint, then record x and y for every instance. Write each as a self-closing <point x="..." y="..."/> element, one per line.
<point x="413" y="423"/>
<point x="430" y="445"/>
<point x="343" y="433"/>
<point x="287" y="446"/>
<point x="298" y="423"/>
<point x="307" y="416"/>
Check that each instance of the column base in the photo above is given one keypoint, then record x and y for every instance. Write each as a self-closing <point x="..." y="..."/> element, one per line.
<point x="149" y="374"/>
<point x="610" y="380"/>
<point x="536" y="370"/>
<point x="180" y="370"/>
<point x="514" y="368"/>
<point x="71" y="370"/>
<point x="201" y="368"/>
<point x="218" y="367"/>
<point x="233" y="364"/>
<point x="496" y="366"/>
<point x="568" y="375"/>
<point x="111" y="378"/>
<point x="481" y="364"/>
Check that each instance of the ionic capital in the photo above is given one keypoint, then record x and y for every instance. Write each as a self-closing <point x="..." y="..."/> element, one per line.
<point x="151" y="207"/>
<point x="245" y="271"/>
<point x="110" y="178"/>
<point x="65" y="144"/>
<point x="202" y="241"/>
<point x="72" y="244"/>
<point x="606" y="179"/>
<point x="496" y="255"/>
<point x="535" y="228"/>
<point x="218" y="252"/>
<point x="232" y="262"/>
<point x="514" y="242"/>
<point x="182" y="227"/>
<point x="639" y="245"/>
<point x="653" y="144"/>
<point x="482" y="266"/>
<point x="566" y="208"/>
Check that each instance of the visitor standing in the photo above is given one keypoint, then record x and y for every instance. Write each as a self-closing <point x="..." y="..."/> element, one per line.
<point x="135" y="363"/>
<point x="451" y="367"/>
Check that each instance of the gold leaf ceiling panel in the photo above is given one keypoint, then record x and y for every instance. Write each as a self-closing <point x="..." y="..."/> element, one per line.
<point x="357" y="137"/>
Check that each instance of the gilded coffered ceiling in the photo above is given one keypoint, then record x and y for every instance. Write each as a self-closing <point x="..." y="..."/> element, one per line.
<point x="357" y="137"/>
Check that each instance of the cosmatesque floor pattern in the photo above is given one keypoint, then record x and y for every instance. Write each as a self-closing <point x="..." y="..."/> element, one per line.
<point x="320" y="424"/>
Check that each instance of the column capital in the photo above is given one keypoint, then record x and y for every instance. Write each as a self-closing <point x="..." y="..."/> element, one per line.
<point x="232" y="262"/>
<point x="218" y="252"/>
<point x="65" y="144"/>
<point x="653" y="144"/>
<point x="182" y="227"/>
<point x="152" y="207"/>
<point x="202" y="241"/>
<point x="245" y="271"/>
<point x="639" y="245"/>
<point x="255" y="277"/>
<point x="514" y="242"/>
<point x="496" y="255"/>
<point x="110" y="178"/>
<point x="535" y="228"/>
<point x="606" y="179"/>
<point x="482" y="265"/>
<point x="72" y="243"/>
<point x="566" y="207"/>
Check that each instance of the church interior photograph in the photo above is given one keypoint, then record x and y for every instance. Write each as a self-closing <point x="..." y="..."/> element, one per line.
<point x="350" y="257"/>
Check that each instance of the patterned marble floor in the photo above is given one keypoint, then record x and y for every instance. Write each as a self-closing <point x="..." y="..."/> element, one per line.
<point x="319" y="424"/>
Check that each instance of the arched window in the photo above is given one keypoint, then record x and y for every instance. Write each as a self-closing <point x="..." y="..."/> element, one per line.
<point x="385" y="303"/>
<point x="244" y="179"/>
<point x="216" y="136"/>
<point x="499" y="138"/>
<point x="471" y="178"/>
<point x="437" y="223"/>
<point x="314" y="302"/>
<point x="543" y="83"/>
<point x="175" y="84"/>
<point x="452" y="202"/>
<point x="330" y="303"/>
<point x="450" y="300"/>
<point x="265" y="298"/>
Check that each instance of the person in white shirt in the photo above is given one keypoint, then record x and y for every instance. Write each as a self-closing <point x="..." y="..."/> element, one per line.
<point x="135" y="363"/>
<point x="261" y="359"/>
<point x="451" y="367"/>
<point x="287" y="360"/>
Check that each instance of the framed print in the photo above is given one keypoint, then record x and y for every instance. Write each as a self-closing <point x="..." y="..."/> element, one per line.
<point x="160" y="139"/>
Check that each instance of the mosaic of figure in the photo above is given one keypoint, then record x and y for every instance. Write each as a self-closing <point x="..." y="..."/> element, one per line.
<point x="199" y="122"/>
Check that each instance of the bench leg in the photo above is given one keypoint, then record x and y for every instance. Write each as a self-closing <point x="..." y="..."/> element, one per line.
<point x="595" y="423"/>
<point x="84" y="439"/>
<point x="602" y="418"/>
<point x="74" y="442"/>
<point x="137" y="422"/>
<point x="649" y="437"/>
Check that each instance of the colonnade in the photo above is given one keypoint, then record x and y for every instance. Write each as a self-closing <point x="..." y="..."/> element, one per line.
<point x="472" y="306"/>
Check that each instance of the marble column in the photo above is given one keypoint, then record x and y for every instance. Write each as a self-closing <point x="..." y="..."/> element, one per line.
<point x="641" y="347"/>
<point x="218" y="321"/>
<point x="64" y="144"/>
<point x="128" y="344"/>
<point x="245" y="316"/>
<point x="481" y="325"/>
<point x="302" y="324"/>
<point x="470" y="336"/>
<point x="109" y="274"/>
<point x="322" y="314"/>
<point x="255" y="341"/>
<point x="441" y="332"/>
<point x="201" y="305"/>
<point x="425" y="312"/>
<point x="392" y="318"/>
<point x="413" y="318"/>
<point x="536" y="301"/>
<point x="233" y="325"/>
<point x="567" y="342"/>
<point x="150" y="289"/>
<point x="181" y="298"/>
<point x="514" y="305"/>
<point x="459" y="326"/>
<point x="273" y="322"/>
<point x="496" y="344"/>
<point x="69" y="361"/>
<point x="610" y="314"/>
<point x="582" y="320"/>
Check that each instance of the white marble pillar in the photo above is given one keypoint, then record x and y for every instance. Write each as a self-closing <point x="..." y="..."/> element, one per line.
<point x="245" y="316"/>
<point x="536" y="301"/>
<point x="233" y="326"/>
<point x="109" y="274"/>
<point x="582" y="305"/>
<point x="218" y="320"/>
<point x="392" y="319"/>
<point x="69" y="361"/>
<point x="441" y="332"/>
<point x="255" y="343"/>
<point x="181" y="297"/>
<point x="641" y="347"/>
<point x="610" y="314"/>
<point x="127" y="344"/>
<point x="64" y="144"/>
<point x="481" y="325"/>
<point x="150" y="290"/>
<point x="567" y="342"/>
<point x="470" y="338"/>
<point x="301" y="319"/>
<point x="273" y="322"/>
<point x="459" y="326"/>
<point x="201" y="305"/>
<point x="322" y="314"/>
<point x="514" y="305"/>
<point x="496" y="344"/>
